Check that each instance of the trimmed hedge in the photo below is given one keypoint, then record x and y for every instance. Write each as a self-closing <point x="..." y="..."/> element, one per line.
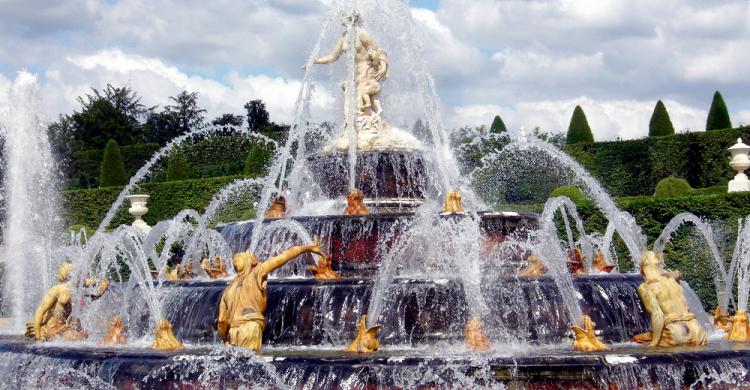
<point x="671" y="187"/>
<point x="88" y="207"/>
<point x="633" y="167"/>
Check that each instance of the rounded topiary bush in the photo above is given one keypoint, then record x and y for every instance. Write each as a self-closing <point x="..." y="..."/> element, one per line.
<point x="672" y="187"/>
<point x="573" y="193"/>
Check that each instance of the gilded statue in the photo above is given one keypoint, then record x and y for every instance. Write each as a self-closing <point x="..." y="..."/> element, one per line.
<point x="115" y="333"/>
<point x="165" y="339"/>
<point x="214" y="270"/>
<point x="452" y="202"/>
<point x="241" y="317"/>
<point x="575" y="262"/>
<point x="52" y="318"/>
<point x="277" y="208"/>
<point x="322" y="270"/>
<point x="740" y="329"/>
<point x="586" y="339"/>
<point x="672" y="323"/>
<point x="476" y="339"/>
<point x="355" y="203"/>
<point x="178" y="272"/>
<point x="600" y="263"/>
<point x="367" y="338"/>
<point x="534" y="267"/>
<point x="722" y="320"/>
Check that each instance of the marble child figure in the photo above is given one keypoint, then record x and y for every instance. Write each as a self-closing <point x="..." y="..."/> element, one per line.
<point x="242" y="308"/>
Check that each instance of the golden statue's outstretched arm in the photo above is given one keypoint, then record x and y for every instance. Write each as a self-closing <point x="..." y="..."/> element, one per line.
<point x="286" y="256"/>
<point x="47" y="304"/>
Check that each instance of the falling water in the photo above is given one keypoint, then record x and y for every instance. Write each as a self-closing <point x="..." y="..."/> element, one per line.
<point x="725" y="282"/>
<point x="32" y="224"/>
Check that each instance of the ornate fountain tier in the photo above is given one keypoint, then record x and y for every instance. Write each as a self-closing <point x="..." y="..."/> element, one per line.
<point x="352" y="241"/>
<point x="391" y="180"/>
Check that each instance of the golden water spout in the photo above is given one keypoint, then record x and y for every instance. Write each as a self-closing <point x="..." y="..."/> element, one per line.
<point x="277" y="208"/>
<point x="740" y="330"/>
<point x="366" y="340"/>
<point x="600" y="263"/>
<point x="575" y="262"/>
<point x="452" y="202"/>
<point x="722" y="320"/>
<point x="535" y="267"/>
<point x="165" y="338"/>
<point x="216" y="269"/>
<point x="476" y="340"/>
<point x="116" y="333"/>
<point x="355" y="203"/>
<point x="323" y="270"/>
<point x="586" y="339"/>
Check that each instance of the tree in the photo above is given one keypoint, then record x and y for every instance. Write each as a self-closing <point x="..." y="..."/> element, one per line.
<point x="579" y="130"/>
<point x="718" y="115"/>
<point x="228" y="120"/>
<point x="175" y="120"/>
<point x="114" y="113"/>
<point x="112" y="171"/>
<point x="257" y="116"/>
<point x="498" y="126"/>
<point x="176" y="165"/>
<point x="660" y="124"/>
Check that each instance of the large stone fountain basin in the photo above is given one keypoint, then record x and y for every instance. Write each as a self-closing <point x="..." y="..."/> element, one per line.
<point x="719" y="365"/>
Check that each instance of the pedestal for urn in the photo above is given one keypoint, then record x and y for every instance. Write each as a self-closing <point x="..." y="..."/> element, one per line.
<point x="739" y="162"/>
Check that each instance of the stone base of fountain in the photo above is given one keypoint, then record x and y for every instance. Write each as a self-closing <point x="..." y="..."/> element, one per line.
<point x="626" y="367"/>
<point x="392" y="181"/>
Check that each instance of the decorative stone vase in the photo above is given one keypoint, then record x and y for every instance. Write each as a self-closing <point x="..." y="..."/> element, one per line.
<point x="138" y="209"/>
<point x="739" y="162"/>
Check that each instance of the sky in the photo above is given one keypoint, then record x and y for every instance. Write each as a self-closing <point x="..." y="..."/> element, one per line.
<point x="529" y="61"/>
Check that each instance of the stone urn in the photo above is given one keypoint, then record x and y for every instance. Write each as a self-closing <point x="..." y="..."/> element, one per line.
<point x="138" y="209"/>
<point x="739" y="162"/>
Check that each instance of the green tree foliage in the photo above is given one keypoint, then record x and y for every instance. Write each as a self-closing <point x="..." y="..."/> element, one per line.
<point x="177" y="165"/>
<point x="257" y="116"/>
<point x="176" y="119"/>
<point x="672" y="187"/>
<point x="498" y="126"/>
<point x="112" y="172"/>
<point x="114" y="113"/>
<point x="257" y="159"/>
<point x="718" y="115"/>
<point x="579" y="130"/>
<point x="660" y="124"/>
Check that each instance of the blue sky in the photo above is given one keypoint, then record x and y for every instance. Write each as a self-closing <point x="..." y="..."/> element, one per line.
<point x="531" y="61"/>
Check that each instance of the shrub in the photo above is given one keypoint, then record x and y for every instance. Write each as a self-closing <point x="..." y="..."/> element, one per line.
<point x="498" y="126"/>
<point x="579" y="130"/>
<point x="176" y="165"/>
<point x="633" y="167"/>
<point x="672" y="187"/>
<point x="112" y="172"/>
<point x="257" y="160"/>
<point x="660" y="124"/>
<point x="573" y="193"/>
<point x="718" y="115"/>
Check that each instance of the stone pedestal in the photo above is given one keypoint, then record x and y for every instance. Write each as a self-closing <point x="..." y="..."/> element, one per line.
<point x="739" y="162"/>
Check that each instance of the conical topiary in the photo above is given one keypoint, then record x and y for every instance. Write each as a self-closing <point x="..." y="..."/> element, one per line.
<point x="176" y="165"/>
<point x="579" y="130"/>
<point x="112" y="171"/>
<point x="660" y="124"/>
<point x="718" y="115"/>
<point x="498" y="126"/>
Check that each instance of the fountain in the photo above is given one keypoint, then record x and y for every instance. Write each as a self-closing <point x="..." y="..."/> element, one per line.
<point x="384" y="270"/>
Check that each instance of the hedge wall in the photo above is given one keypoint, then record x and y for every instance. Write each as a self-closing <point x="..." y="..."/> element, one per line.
<point x="82" y="168"/>
<point x="634" y="167"/>
<point x="88" y="207"/>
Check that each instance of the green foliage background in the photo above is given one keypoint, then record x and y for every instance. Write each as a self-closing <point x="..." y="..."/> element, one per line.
<point x="634" y="167"/>
<point x="112" y="172"/>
